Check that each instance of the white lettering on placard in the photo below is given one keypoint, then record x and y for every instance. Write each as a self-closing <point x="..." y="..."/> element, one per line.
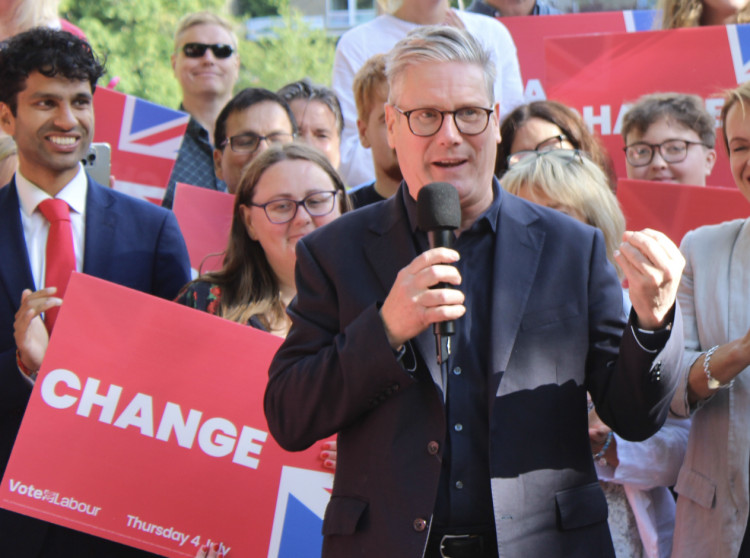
<point x="52" y="497"/>
<point x="217" y="436"/>
<point x="534" y="91"/>
<point x="170" y="533"/>
<point x="599" y="118"/>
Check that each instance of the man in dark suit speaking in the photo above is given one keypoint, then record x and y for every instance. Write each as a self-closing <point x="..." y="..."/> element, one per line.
<point x="487" y="453"/>
<point x="55" y="219"/>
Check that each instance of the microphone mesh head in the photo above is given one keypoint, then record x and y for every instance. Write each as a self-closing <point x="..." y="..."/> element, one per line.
<point x="438" y="207"/>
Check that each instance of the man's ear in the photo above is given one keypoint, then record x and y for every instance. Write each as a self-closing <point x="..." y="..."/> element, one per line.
<point x="710" y="161"/>
<point x="218" y="154"/>
<point x="7" y="120"/>
<point x="362" y="129"/>
<point x="390" y="123"/>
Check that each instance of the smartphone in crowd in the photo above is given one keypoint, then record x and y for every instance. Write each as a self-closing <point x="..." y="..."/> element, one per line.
<point x="98" y="162"/>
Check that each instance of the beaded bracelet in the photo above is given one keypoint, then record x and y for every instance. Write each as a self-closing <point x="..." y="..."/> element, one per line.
<point x="713" y="383"/>
<point x="605" y="447"/>
<point x="31" y="374"/>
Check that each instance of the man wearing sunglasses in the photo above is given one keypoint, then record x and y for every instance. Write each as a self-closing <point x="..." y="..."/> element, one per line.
<point x="206" y="64"/>
<point x="487" y="450"/>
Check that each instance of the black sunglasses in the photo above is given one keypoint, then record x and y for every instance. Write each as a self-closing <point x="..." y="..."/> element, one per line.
<point x="196" y="50"/>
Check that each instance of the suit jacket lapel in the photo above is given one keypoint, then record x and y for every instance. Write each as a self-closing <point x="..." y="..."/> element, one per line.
<point x="517" y="252"/>
<point x="15" y="273"/>
<point x="100" y="230"/>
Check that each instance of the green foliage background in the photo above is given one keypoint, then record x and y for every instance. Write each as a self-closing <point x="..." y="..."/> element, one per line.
<point x="136" y="38"/>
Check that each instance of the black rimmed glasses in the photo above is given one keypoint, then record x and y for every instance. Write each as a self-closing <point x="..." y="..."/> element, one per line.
<point x="425" y="122"/>
<point x="196" y="50"/>
<point x="552" y="143"/>
<point x="281" y="211"/>
<point x="640" y="154"/>
<point x="249" y="142"/>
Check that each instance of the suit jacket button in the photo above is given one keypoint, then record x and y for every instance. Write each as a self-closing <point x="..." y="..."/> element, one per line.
<point x="419" y="525"/>
<point x="433" y="448"/>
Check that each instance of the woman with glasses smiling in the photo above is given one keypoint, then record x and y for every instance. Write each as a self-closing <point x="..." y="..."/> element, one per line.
<point x="543" y="126"/>
<point x="285" y="193"/>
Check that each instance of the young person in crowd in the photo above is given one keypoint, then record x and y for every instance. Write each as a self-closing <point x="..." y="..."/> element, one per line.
<point x="371" y="94"/>
<point x="286" y="192"/>
<point x="318" y="115"/>
<point x="669" y="137"/>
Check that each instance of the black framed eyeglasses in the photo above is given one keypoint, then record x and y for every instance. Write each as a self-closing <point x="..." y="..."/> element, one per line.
<point x="196" y="50"/>
<point x="550" y="144"/>
<point x="425" y="122"/>
<point x="640" y="154"/>
<point x="317" y="204"/>
<point x="249" y="142"/>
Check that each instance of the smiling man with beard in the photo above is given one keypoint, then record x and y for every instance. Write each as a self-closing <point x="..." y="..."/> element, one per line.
<point x="46" y="105"/>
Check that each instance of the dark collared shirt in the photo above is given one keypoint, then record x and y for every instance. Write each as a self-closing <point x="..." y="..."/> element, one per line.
<point x="194" y="164"/>
<point x="540" y="8"/>
<point x="464" y="503"/>
<point x="364" y="195"/>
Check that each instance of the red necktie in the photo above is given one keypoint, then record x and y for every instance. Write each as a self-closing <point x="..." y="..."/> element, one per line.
<point x="60" y="255"/>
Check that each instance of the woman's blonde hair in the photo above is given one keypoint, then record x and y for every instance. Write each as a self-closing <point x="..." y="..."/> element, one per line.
<point x="687" y="13"/>
<point x="574" y="180"/>
<point x="740" y="95"/>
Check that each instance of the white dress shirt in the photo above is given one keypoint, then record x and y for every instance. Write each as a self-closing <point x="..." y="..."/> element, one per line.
<point x="36" y="226"/>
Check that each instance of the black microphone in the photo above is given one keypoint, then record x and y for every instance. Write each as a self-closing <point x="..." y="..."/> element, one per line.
<point x="439" y="214"/>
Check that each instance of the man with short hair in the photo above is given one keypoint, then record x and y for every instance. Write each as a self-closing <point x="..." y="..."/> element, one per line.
<point x="46" y="105"/>
<point x="669" y="137"/>
<point x="254" y="120"/>
<point x="206" y="63"/>
<point x="488" y="451"/>
<point x="370" y="95"/>
<point x="508" y="8"/>
<point x="379" y="35"/>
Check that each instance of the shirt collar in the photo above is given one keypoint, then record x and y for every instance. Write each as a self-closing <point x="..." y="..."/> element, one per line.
<point x="73" y="193"/>
<point x="488" y="218"/>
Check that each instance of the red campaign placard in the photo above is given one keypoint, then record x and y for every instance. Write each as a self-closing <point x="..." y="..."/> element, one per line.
<point x="205" y="218"/>
<point x="675" y="209"/>
<point x="146" y="426"/>
<point x="529" y="33"/>
<point x="144" y="137"/>
<point x="601" y="75"/>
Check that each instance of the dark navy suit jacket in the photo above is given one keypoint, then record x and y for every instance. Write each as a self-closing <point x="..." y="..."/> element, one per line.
<point x="129" y="242"/>
<point x="556" y="329"/>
